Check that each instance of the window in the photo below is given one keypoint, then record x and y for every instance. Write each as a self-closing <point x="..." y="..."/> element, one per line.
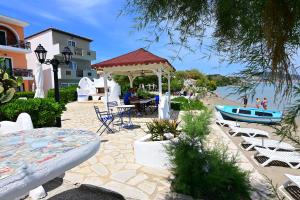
<point x="71" y="43"/>
<point x="68" y="73"/>
<point x="263" y="114"/>
<point x="79" y="73"/>
<point x="73" y="65"/>
<point x="89" y="74"/>
<point x="246" y="112"/>
<point x="3" y="40"/>
<point x="234" y="110"/>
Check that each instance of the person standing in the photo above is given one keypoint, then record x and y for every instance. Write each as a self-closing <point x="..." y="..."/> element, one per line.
<point x="257" y="102"/>
<point x="264" y="103"/>
<point x="245" y="99"/>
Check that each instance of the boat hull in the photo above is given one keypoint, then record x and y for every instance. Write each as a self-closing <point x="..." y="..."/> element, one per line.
<point x="248" y="118"/>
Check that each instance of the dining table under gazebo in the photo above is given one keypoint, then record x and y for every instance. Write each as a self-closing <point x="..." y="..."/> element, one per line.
<point x="136" y="63"/>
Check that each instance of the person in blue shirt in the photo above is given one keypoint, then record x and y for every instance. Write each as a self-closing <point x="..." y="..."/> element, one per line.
<point x="127" y="96"/>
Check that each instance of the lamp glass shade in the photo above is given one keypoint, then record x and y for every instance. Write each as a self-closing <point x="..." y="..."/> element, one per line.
<point x="40" y="53"/>
<point x="67" y="53"/>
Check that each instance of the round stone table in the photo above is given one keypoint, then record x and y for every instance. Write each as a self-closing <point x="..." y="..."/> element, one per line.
<point x="31" y="158"/>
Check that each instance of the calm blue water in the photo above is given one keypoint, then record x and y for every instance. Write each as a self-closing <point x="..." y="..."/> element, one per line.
<point x="261" y="92"/>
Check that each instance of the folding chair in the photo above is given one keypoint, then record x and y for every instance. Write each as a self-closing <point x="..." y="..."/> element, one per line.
<point x="106" y="118"/>
<point x="156" y="103"/>
<point x="111" y="105"/>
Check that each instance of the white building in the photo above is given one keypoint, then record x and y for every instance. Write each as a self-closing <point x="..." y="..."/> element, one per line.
<point x="54" y="41"/>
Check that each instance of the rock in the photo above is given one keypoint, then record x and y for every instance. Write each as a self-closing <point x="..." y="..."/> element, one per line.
<point x="137" y="179"/>
<point x="123" y="176"/>
<point x="100" y="169"/>
<point x="148" y="187"/>
<point x="126" y="191"/>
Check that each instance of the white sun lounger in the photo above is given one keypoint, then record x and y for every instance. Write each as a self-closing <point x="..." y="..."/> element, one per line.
<point x="250" y="132"/>
<point x="222" y="122"/>
<point x="266" y="143"/>
<point x="292" y="181"/>
<point x="292" y="159"/>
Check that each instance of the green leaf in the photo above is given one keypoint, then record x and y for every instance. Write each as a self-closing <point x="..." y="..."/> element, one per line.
<point x="8" y="95"/>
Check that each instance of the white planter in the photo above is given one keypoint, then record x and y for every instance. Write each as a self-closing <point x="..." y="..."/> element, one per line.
<point x="151" y="153"/>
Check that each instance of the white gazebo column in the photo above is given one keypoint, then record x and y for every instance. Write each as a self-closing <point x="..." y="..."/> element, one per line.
<point x="105" y="76"/>
<point x="159" y="75"/>
<point x="169" y="88"/>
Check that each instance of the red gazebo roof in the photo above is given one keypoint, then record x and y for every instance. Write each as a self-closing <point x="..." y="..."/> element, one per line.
<point x="140" y="56"/>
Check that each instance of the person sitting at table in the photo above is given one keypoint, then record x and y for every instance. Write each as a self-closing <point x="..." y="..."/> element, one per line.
<point x="131" y="98"/>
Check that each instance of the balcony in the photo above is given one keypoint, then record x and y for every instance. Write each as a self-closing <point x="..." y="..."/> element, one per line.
<point x="20" y="46"/>
<point x="66" y="73"/>
<point x="26" y="74"/>
<point x="80" y="53"/>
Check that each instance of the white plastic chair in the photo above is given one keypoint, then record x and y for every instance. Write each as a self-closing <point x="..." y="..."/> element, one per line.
<point x="292" y="159"/>
<point x="266" y="143"/>
<point x="23" y="123"/>
<point x="249" y="132"/>
<point x="222" y="122"/>
<point x="292" y="181"/>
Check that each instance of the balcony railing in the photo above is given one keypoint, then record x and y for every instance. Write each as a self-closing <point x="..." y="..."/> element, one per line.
<point x="19" y="44"/>
<point x="22" y="72"/>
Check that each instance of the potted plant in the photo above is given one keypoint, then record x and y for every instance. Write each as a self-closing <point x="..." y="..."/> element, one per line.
<point x="150" y="149"/>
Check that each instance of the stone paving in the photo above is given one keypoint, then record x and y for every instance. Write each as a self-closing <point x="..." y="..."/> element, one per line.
<point x="114" y="167"/>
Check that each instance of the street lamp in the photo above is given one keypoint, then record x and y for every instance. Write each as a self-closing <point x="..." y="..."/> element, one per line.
<point x="41" y="53"/>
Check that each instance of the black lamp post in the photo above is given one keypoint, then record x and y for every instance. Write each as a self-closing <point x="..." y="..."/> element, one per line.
<point x="41" y="53"/>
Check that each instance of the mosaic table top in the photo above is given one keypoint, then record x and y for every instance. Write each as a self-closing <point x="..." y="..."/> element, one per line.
<point x="38" y="146"/>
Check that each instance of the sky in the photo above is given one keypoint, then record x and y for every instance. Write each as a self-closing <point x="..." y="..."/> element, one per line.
<point x="112" y="35"/>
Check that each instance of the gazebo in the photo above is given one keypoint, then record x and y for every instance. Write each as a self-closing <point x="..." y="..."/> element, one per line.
<point x="136" y="63"/>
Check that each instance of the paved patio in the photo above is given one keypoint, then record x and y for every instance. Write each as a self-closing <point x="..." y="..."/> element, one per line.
<point x="114" y="167"/>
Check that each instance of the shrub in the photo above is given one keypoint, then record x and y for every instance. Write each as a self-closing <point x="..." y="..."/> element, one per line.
<point x="67" y="94"/>
<point x="43" y="112"/>
<point x="27" y="94"/>
<point x="187" y="104"/>
<point x="175" y="105"/>
<point x="144" y="94"/>
<point x="158" y="127"/>
<point x="201" y="172"/>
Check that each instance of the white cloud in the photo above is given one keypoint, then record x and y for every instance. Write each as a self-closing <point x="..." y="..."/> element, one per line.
<point x="30" y="9"/>
<point x="84" y="10"/>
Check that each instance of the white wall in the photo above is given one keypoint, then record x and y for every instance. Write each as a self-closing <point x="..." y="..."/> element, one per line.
<point x="46" y="41"/>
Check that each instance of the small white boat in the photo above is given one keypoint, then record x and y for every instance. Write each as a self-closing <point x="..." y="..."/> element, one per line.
<point x="255" y="115"/>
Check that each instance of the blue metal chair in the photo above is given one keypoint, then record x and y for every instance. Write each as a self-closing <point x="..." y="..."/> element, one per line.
<point x="156" y="103"/>
<point x="105" y="118"/>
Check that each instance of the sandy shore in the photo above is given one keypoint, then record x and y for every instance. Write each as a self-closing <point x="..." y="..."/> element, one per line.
<point x="275" y="173"/>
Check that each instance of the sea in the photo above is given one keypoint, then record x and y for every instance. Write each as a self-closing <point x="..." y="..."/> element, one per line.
<point x="274" y="102"/>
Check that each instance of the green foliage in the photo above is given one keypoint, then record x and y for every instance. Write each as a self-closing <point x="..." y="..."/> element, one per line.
<point x="67" y="94"/>
<point x="158" y="127"/>
<point x="176" y="85"/>
<point x="175" y="105"/>
<point x="211" y="85"/>
<point x="8" y="84"/>
<point x="43" y="112"/>
<point x="27" y="94"/>
<point x="207" y="174"/>
<point x="196" y="126"/>
<point x="262" y="35"/>
<point x="144" y="94"/>
<point x="199" y="171"/>
<point x="187" y="104"/>
<point x="221" y="80"/>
